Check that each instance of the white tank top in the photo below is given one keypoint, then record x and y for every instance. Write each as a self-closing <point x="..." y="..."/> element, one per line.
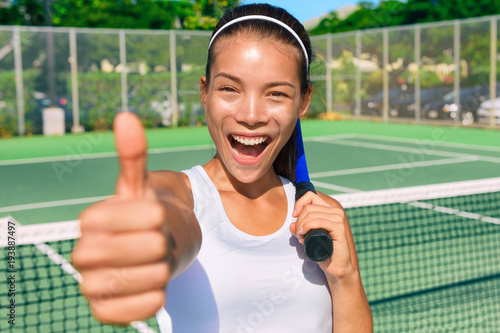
<point x="242" y="283"/>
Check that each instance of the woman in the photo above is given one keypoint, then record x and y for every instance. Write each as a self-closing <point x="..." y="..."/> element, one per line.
<point x="249" y="274"/>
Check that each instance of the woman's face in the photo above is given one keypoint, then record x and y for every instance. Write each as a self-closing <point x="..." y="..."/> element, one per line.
<point x="252" y="102"/>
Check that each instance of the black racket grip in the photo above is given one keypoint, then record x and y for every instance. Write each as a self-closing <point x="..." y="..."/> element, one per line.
<point x="318" y="245"/>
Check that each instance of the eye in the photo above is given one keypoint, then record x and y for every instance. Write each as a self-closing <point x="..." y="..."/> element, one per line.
<point x="226" y="89"/>
<point x="278" y="94"/>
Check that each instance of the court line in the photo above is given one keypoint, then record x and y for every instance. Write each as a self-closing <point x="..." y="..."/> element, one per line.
<point x="335" y="187"/>
<point x="48" y="204"/>
<point x="392" y="167"/>
<point x="419" y="151"/>
<point x="438" y="143"/>
<point x="73" y="157"/>
<point x="69" y="202"/>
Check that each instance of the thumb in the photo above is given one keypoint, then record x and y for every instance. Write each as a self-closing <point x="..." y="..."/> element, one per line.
<point x="131" y="146"/>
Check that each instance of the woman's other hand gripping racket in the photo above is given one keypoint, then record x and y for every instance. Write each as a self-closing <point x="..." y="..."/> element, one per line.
<point x="318" y="211"/>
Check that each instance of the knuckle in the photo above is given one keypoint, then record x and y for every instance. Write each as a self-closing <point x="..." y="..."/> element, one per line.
<point x="86" y="218"/>
<point x="158" y="299"/>
<point x="89" y="288"/>
<point x="161" y="276"/>
<point x="157" y="214"/>
<point x="104" y="314"/>
<point x="157" y="245"/>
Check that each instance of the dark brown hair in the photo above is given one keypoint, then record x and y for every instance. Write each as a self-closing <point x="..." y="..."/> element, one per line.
<point x="284" y="165"/>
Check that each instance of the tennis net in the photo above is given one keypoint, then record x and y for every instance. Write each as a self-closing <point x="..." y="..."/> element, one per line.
<point x="429" y="260"/>
<point x="39" y="292"/>
<point x="429" y="255"/>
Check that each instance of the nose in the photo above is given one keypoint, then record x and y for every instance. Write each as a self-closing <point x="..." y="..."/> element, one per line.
<point x="252" y="111"/>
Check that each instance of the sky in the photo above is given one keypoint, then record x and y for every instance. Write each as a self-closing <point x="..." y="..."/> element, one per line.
<point x="304" y="10"/>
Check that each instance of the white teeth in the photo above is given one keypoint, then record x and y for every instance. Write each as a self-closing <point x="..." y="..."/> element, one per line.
<point x="250" y="142"/>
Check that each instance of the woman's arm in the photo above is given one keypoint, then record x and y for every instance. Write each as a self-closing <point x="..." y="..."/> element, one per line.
<point x="184" y="232"/>
<point x="351" y="311"/>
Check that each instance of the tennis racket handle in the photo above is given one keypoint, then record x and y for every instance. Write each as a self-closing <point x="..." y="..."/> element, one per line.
<point x="318" y="245"/>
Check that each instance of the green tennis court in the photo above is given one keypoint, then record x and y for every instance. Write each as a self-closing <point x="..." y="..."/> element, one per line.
<point x="428" y="263"/>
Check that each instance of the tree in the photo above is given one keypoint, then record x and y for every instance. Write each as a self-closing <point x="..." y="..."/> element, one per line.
<point x="120" y="14"/>
<point x="392" y="13"/>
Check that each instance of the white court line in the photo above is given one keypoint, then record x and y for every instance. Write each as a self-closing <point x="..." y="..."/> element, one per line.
<point x="392" y="167"/>
<point x="430" y="142"/>
<point x="398" y="148"/>
<point x="414" y="150"/>
<point x="72" y="157"/>
<point x="334" y="187"/>
<point x="48" y="204"/>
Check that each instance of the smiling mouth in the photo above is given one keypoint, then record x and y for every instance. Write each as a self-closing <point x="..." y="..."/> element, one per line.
<point x="248" y="147"/>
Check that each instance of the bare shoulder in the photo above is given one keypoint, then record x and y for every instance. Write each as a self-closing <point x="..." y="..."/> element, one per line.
<point x="175" y="182"/>
<point x="330" y="200"/>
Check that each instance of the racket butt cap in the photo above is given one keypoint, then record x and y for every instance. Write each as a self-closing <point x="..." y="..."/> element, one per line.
<point x="318" y="245"/>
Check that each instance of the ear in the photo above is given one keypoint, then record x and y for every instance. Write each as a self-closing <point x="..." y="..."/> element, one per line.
<point x="204" y="91"/>
<point x="306" y="100"/>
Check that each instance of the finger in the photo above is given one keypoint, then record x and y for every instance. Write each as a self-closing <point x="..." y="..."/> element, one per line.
<point x="333" y="226"/>
<point x="99" y="249"/>
<point x="124" y="280"/>
<point x="307" y="199"/>
<point x="125" y="309"/>
<point x="131" y="146"/>
<point x="114" y="215"/>
<point x="312" y="211"/>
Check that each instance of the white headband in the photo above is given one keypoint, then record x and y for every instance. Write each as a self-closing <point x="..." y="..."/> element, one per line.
<point x="265" y="18"/>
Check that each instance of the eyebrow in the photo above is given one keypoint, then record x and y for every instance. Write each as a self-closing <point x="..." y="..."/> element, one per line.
<point x="269" y="85"/>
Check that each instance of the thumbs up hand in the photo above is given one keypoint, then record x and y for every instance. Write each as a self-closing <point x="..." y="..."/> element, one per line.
<point x="125" y="254"/>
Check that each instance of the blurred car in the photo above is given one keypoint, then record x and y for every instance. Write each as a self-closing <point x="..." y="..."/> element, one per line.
<point x="446" y="108"/>
<point x="406" y="107"/>
<point x="484" y="111"/>
<point x="373" y="106"/>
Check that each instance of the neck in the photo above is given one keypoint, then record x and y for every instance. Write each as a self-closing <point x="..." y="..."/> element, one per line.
<point x="225" y="181"/>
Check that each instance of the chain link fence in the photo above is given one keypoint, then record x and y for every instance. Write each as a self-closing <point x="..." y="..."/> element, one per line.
<point x="441" y="73"/>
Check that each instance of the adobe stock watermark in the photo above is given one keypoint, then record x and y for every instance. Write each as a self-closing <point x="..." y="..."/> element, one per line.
<point x="76" y="153"/>
<point x="413" y="159"/>
<point x="121" y="279"/>
<point x="291" y="283"/>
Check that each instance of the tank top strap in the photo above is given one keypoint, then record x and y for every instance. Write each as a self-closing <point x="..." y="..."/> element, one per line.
<point x="205" y="195"/>
<point x="207" y="201"/>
